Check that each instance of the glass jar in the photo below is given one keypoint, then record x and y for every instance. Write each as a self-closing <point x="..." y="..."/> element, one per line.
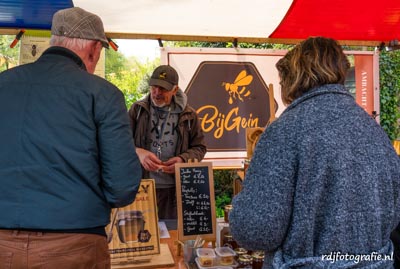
<point x="246" y="165"/>
<point x="129" y="225"/>
<point x="245" y="261"/>
<point x="240" y="252"/>
<point x="227" y="209"/>
<point x="229" y="241"/>
<point x="258" y="259"/>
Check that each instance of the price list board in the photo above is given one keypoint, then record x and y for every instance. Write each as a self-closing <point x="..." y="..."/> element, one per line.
<point x="196" y="200"/>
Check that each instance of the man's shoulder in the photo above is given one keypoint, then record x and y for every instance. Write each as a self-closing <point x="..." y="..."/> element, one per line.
<point x="189" y="109"/>
<point x="92" y="78"/>
<point x="188" y="113"/>
<point x="141" y="103"/>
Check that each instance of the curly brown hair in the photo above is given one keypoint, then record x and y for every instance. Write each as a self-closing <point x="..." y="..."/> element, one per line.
<point x="314" y="62"/>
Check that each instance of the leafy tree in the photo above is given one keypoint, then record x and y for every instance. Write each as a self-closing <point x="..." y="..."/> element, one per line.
<point x="116" y="62"/>
<point x="228" y="45"/>
<point x="197" y="44"/>
<point x="129" y="75"/>
<point x="223" y="187"/>
<point x="8" y="56"/>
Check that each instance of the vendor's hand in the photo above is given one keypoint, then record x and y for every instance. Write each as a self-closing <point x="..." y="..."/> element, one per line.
<point x="149" y="160"/>
<point x="170" y="165"/>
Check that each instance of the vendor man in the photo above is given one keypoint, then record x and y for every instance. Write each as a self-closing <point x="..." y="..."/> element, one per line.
<point x="166" y="131"/>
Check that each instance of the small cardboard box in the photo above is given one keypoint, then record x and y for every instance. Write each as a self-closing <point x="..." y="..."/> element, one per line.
<point x="134" y="228"/>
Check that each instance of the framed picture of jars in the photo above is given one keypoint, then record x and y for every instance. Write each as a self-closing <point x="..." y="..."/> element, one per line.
<point x="133" y="230"/>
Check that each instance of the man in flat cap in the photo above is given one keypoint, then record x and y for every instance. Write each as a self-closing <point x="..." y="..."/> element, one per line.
<point x="166" y="131"/>
<point x="67" y="154"/>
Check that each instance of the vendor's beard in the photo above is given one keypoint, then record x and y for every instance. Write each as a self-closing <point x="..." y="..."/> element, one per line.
<point x="163" y="104"/>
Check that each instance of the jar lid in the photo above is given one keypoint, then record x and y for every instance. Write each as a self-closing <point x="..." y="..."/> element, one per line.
<point x="132" y="214"/>
<point x="225" y="252"/>
<point x="258" y="254"/>
<point x="240" y="251"/>
<point x="228" y="207"/>
<point x="205" y="252"/>
<point x="245" y="258"/>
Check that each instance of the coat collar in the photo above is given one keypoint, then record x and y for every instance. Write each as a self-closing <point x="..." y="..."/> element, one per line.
<point x="55" y="50"/>
<point x="325" y="89"/>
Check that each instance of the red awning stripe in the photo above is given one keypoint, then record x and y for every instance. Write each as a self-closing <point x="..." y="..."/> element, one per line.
<point x="341" y="20"/>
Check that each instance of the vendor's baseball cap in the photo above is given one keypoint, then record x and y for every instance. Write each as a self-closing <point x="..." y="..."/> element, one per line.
<point x="164" y="76"/>
<point x="76" y="22"/>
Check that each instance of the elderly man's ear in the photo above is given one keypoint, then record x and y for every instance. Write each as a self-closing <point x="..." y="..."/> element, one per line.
<point x="94" y="51"/>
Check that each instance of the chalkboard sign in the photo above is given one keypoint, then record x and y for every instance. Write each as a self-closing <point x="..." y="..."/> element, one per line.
<point x="196" y="200"/>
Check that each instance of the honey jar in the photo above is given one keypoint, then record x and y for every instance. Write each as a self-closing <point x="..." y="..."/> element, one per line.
<point x="245" y="261"/>
<point x="246" y="165"/>
<point x="258" y="259"/>
<point x="227" y="209"/>
<point x="240" y="251"/>
<point x="129" y="224"/>
<point x="229" y="242"/>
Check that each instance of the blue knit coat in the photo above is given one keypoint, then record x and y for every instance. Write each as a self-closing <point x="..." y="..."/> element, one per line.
<point x="322" y="189"/>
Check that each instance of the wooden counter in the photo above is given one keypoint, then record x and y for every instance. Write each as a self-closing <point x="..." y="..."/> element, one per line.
<point x="173" y="247"/>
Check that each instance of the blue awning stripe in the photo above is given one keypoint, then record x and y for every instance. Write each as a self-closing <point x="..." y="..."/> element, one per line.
<point x="30" y="14"/>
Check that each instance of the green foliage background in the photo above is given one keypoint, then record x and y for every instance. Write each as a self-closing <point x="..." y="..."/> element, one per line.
<point x="389" y="73"/>
<point x="223" y="188"/>
<point x="8" y="56"/>
<point x="129" y="75"/>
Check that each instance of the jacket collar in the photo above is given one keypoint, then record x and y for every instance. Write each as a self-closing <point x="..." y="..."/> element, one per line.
<point x="61" y="51"/>
<point x="325" y="89"/>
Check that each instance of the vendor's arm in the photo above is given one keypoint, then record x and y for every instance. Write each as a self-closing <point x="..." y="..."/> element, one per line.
<point x="170" y="165"/>
<point x="262" y="210"/>
<point x="149" y="160"/>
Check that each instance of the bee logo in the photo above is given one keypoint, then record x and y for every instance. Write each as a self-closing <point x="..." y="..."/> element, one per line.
<point x="234" y="90"/>
<point x="34" y="50"/>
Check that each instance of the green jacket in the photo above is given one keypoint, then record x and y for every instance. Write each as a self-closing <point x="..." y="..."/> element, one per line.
<point x="67" y="155"/>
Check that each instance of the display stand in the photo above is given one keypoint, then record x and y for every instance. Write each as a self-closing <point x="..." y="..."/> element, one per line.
<point x="133" y="233"/>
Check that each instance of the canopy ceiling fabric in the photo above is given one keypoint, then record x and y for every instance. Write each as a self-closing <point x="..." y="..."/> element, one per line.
<point x="353" y="22"/>
<point x="205" y="20"/>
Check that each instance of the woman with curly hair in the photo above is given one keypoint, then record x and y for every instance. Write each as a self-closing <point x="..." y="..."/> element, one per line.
<point x="322" y="188"/>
